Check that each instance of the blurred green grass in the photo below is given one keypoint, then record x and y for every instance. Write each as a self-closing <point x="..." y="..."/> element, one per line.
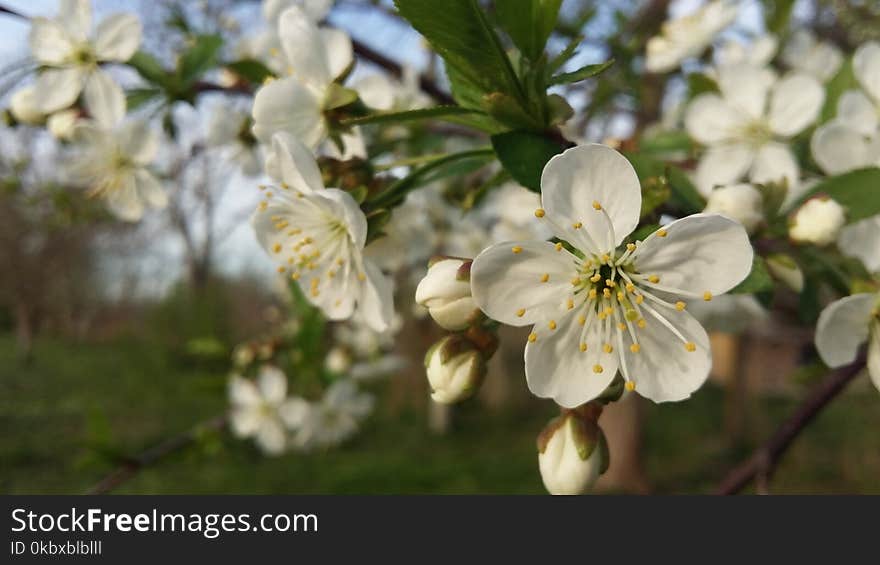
<point x="77" y="408"/>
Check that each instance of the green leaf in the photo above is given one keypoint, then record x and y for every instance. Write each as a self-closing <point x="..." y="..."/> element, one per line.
<point x="524" y="154"/>
<point x="459" y="32"/>
<point x="666" y="141"/>
<point x="844" y="80"/>
<point x="251" y="70"/>
<point x="699" y="83"/>
<point x="567" y="53"/>
<point x="758" y="281"/>
<point x="507" y="111"/>
<point x="437" y="112"/>
<point x="778" y="15"/>
<point x="529" y="23"/>
<point x="582" y="73"/>
<point x="655" y="193"/>
<point x="685" y="197"/>
<point x="858" y="191"/>
<point x="149" y="68"/>
<point x="137" y="97"/>
<point x="199" y="58"/>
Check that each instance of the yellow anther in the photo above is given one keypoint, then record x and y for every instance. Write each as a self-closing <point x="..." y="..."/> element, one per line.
<point x="630" y="386"/>
<point x="592" y="293"/>
<point x="575" y="281"/>
<point x="680" y="305"/>
<point x="621" y="326"/>
<point x="269" y="195"/>
<point x="610" y="283"/>
<point x="642" y="323"/>
<point x="607" y="348"/>
<point x="539" y="213"/>
<point x="315" y="292"/>
<point x="707" y="296"/>
<point x="558" y="247"/>
<point x="331" y="274"/>
<point x="551" y="324"/>
<point x="285" y="186"/>
<point x="545" y="277"/>
<point x="662" y="233"/>
<point x="630" y="287"/>
<point x="263" y="205"/>
<point x="583" y="346"/>
<point x="606" y="292"/>
<point x="291" y="260"/>
<point x="516" y="249"/>
<point x="308" y="240"/>
<point x="635" y="348"/>
<point x="630" y="246"/>
<point x="281" y="225"/>
<point x="597" y="369"/>
<point x="521" y="312"/>
<point x="362" y="277"/>
<point x="602" y="315"/>
<point x="276" y="248"/>
<point x="570" y="304"/>
<point x="631" y="315"/>
<point x="690" y="346"/>
<point x="340" y="261"/>
<point x="621" y="296"/>
<point x="596" y="205"/>
<point x="640" y="298"/>
<point x="533" y="337"/>
<point x="606" y="257"/>
<point x="311" y="266"/>
<point x="582" y="319"/>
<point x="577" y="225"/>
<point x="282" y="269"/>
<point x="596" y="278"/>
<point x="295" y="276"/>
<point x="654" y="279"/>
<point x="268" y="79"/>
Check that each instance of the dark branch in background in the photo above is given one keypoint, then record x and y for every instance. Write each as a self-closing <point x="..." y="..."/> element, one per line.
<point x="427" y="85"/>
<point x="764" y="460"/>
<point x="5" y="10"/>
<point x="133" y="466"/>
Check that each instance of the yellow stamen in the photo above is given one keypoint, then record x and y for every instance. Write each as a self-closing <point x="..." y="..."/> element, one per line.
<point x="662" y="233"/>
<point x="521" y="312"/>
<point x="545" y="277"/>
<point x="539" y="213"/>
<point x="597" y="369"/>
<point x="596" y="205"/>
<point x="690" y="346"/>
<point x="577" y="225"/>
<point x="707" y="296"/>
<point x="635" y="348"/>
<point x="516" y="249"/>
<point x="583" y="347"/>
<point x="533" y="337"/>
<point x="558" y="247"/>
<point x="680" y="305"/>
<point x="607" y="348"/>
<point x="654" y="279"/>
<point x="630" y="386"/>
<point x="551" y="324"/>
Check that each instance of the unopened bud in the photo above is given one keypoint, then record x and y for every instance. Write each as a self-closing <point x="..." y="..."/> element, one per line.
<point x="740" y="202"/>
<point x="337" y="361"/>
<point x="446" y="293"/>
<point x="818" y="222"/>
<point x="572" y="453"/>
<point x="455" y="369"/>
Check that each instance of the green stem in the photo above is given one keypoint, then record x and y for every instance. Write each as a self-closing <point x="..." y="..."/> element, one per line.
<point x="398" y="190"/>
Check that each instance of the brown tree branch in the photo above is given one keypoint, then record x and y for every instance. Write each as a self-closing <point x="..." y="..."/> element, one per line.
<point x="764" y="460"/>
<point x="133" y="466"/>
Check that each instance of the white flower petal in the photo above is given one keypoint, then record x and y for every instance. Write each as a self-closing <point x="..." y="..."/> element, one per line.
<point x="50" y="43"/>
<point x="702" y="252"/>
<point x="149" y="189"/>
<point x="376" y="300"/>
<point x="104" y="99"/>
<point x="245" y="421"/>
<point x="75" y="16"/>
<point x="722" y="165"/>
<point x="575" y="182"/>
<point x="795" y="103"/>
<point x="303" y="45"/>
<point x="118" y="37"/>
<point x="138" y="141"/>
<point x="294" y="412"/>
<point x="843" y="327"/>
<point x="557" y="368"/>
<point x="124" y="201"/>
<point x="376" y="91"/>
<point x="243" y="392"/>
<point x="504" y="282"/>
<point x="24" y="107"/>
<point x="862" y="241"/>
<point x="745" y="89"/>
<point x="345" y="207"/>
<point x="866" y="65"/>
<point x="271" y="437"/>
<point x="338" y="51"/>
<point x="858" y="112"/>
<point x="775" y="162"/>
<point x="874" y="356"/>
<point x="57" y="89"/>
<point x="663" y="369"/>
<point x="285" y="105"/>
<point x="837" y="148"/>
<point x="710" y="119"/>
<point x="291" y="162"/>
<point x="272" y="384"/>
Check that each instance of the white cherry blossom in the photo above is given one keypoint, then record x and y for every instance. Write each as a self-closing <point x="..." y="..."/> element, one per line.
<point x="805" y="53"/>
<point x="262" y="410"/>
<point x="317" y="236"/>
<point x="70" y="55"/>
<point x="295" y="103"/>
<point x="688" y="36"/>
<point x="747" y="126"/>
<point x="597" y="307"/>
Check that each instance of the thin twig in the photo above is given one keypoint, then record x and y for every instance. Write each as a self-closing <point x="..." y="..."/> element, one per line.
<point x="765" y="459"/>
<point x="133" y="466"/>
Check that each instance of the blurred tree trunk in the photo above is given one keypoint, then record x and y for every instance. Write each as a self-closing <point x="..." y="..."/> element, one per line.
<point x="622" y="423"/>
<point x="24" y="331"/>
